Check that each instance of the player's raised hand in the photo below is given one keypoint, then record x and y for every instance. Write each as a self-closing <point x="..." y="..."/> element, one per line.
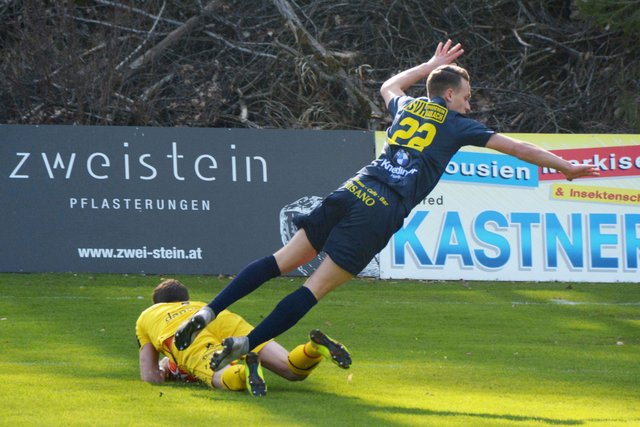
<point x="446" y="53"/>
<point x="398" y="84"/>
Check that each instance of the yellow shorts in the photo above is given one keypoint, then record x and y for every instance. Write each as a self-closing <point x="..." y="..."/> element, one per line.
<point x="197" y="357"/>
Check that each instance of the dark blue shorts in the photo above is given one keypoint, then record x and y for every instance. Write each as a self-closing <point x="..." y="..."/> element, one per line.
<point x="354" y="223"/>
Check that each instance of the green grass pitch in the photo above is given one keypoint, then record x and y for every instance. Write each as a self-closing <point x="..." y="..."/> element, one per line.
<point x="424" y="354"/>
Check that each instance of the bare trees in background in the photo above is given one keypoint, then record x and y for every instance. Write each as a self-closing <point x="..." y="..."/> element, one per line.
<point x="542" y="67"/>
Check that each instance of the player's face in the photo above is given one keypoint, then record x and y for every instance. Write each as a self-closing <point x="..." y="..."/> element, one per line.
<point x="458" y="99"/>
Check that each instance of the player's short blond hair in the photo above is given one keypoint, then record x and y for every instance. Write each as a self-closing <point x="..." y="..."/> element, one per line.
<point x="170" y="290"/>
<point x="445" y="77"/>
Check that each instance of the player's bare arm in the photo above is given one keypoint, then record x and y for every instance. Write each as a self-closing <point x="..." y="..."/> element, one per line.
<point x="149" y="369"/>
<point x="540" y="157"/>
<point x="398" y="84"/>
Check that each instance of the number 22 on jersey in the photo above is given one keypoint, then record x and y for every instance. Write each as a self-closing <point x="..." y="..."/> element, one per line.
<point x="412" y="134"/>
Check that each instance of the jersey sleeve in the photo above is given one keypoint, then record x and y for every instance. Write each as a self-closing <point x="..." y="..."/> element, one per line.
<point x="472" y="132"/>
<point x="141" y="332"/>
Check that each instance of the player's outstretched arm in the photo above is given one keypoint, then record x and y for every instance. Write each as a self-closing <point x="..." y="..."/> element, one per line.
<point x="540" y="157"/>
<point x="398" y="84"/>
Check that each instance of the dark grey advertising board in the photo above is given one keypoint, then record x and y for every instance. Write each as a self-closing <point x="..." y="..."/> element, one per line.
<point x="161" y="200"/>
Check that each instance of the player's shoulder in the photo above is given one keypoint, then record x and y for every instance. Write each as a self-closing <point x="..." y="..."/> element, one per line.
<point x="147" y="310"/>
<point x="398" y="103"/>
<point x="468" y="131"/>
<point x="462" y="120"/>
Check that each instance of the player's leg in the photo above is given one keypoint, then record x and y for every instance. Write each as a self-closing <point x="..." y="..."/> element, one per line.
<point x="305" y="358"/>
<point x="275" y="358"/>
<point x="286" y="314"/>
<point x="231" y="377"/>
<point x="299" y="363"/>
<point x="326" y="278"/>
<point x="296" y="252"/>
<point x="244" y="375"/>
<point x="351" y="233"/>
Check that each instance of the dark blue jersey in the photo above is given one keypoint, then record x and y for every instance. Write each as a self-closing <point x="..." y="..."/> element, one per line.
<point x="421" y="141"/>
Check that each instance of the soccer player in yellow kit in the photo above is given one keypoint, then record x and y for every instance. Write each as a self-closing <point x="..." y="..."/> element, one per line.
<point x="156" y="327"/>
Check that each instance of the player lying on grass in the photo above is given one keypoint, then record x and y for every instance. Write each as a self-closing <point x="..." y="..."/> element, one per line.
<point x="156" y="327"/>
<point x="356" y="221"/>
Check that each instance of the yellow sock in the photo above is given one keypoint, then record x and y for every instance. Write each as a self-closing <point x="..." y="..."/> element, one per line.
<point x="234" y="378"/>
<point x="303" y="359"/>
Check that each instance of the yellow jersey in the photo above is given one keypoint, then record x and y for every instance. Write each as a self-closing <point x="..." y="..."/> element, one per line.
<point x="160" y="322"/>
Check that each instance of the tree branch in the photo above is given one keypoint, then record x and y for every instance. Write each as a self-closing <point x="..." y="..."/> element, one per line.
<point x="305" y="38"/>
<point x="189" y="26"/>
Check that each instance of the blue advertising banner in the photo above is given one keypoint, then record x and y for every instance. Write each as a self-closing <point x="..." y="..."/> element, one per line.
<point x="492" y="217"/>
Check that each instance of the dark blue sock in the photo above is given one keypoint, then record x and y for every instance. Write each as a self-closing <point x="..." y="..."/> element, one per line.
<point x="289" y="310"/>
<point x="247" y="281"/>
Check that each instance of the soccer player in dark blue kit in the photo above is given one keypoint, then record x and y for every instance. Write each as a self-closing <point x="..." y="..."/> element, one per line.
<point x="356" y="221"/>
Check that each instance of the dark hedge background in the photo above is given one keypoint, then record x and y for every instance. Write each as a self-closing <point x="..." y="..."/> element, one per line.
<point x="537" y="66"/>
